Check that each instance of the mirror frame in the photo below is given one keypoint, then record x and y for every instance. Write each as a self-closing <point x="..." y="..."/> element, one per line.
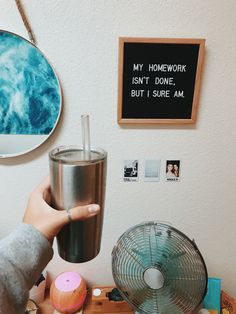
<point x="44" y="137"/>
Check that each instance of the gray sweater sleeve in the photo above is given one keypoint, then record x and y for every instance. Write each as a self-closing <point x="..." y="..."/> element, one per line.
<point x="23" y="256"/>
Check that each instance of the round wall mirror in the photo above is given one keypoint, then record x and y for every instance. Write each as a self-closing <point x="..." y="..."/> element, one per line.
<point x="30" y="96"/>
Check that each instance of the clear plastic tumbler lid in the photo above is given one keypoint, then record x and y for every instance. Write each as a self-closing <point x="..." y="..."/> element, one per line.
<point x="73" y="154"/>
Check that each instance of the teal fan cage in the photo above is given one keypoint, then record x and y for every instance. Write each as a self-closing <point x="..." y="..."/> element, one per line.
<point x="159" y="270"/>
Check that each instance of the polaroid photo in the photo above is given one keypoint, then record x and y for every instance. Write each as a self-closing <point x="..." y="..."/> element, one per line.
<point x="172" y="170"/>
<point x="130" y="170"/>
<point x="152" y="170"/>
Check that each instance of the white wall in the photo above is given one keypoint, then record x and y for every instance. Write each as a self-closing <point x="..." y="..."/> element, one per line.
<point x="80" y="38"/>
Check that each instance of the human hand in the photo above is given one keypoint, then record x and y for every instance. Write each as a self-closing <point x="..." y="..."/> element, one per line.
<point x="48" y="220"/>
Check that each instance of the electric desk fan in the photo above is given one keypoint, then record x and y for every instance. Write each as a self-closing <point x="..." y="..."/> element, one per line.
<point x="159" y="270"/>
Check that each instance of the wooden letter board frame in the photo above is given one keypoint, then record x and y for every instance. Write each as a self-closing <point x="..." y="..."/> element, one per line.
<point x="163" y="59"/>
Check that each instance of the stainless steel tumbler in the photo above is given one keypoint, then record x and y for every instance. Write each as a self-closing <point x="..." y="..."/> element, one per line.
<point x="78" y="180"/>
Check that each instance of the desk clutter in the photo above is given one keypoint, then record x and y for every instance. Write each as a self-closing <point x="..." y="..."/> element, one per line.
<point x="97" y="301"/>
<point x="156" y="269"/>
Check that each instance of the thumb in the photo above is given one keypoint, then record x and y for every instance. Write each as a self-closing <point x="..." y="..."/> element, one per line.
<point x="84" y="212"/>
<point x="78" y="213"/>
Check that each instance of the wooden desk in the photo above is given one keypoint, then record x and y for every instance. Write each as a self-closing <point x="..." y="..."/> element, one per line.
<point x="46" y="308"/>
<point x="101" y="304"/>
<point x="89" y="308"/>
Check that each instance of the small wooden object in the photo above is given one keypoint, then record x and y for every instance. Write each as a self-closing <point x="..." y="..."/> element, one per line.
<point x="98" y="302"/>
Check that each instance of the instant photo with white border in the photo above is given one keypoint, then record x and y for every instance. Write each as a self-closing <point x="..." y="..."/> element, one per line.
<point x="152" y="170"/>
<point x="130" y="170"/>
<point x="172" y="173"/>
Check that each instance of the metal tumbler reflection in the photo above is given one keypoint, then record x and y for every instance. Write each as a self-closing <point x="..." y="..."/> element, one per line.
<point x="78" y="180"/>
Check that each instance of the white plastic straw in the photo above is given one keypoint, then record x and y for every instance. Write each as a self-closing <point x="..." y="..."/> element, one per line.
<point x="86" y="135"/>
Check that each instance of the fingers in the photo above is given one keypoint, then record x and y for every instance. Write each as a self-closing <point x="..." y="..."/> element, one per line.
<point x="43" y="190"/>
<point x="43" y="186"/>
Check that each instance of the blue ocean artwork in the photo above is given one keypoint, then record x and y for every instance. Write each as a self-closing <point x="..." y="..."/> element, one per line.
<point x="30" y="95"/>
